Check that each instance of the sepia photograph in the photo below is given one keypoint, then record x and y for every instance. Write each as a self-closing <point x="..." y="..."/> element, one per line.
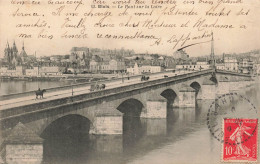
<point x="129" y="81"/>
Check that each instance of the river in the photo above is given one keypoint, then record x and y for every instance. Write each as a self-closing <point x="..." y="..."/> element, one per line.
<point x="181" y="138"/>
<point x="10" y="87"/>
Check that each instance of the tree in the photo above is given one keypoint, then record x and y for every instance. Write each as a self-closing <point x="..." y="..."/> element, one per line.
<point x="155" y="56"/>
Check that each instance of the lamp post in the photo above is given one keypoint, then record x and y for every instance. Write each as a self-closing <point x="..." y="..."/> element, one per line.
<point x="73" y="78"/>
<point x="72" y="86"/>
<point x="122" y="76"/>
<point x="39" y="63"/>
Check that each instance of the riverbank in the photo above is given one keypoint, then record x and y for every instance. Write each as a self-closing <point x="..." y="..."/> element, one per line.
<point x="64" y="77"/>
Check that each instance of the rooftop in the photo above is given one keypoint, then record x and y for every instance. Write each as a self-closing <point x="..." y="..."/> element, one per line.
<point x="80" y="49"/>
<point x="202" y="59"/>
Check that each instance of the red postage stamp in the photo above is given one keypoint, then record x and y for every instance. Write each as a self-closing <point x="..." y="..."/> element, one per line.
<point x="240" y="140"/>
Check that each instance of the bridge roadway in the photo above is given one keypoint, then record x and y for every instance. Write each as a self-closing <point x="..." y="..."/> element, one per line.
<point x="28" y="100"/>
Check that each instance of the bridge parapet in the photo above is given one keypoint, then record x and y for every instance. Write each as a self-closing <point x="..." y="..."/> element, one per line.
<point x="232" y="73"/>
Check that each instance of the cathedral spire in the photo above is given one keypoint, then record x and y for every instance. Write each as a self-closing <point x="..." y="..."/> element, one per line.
<point x="14" y="48"/>
<point x="212" y="44"/>
<point x="8" y="53"/>
<point x="23" y="54"/>
<point x="23" y="46"/>
<point x="7" y="45"/>
<point x="7" y="49"/>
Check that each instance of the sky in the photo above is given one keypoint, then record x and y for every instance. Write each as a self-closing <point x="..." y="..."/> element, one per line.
<point x="226" y="41"/>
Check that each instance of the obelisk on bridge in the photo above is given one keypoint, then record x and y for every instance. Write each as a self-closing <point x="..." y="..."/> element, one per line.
<point x="212" y="55"/>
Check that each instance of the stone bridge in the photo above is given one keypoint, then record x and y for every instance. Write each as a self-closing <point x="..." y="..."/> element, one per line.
<point x="101" y="112"/>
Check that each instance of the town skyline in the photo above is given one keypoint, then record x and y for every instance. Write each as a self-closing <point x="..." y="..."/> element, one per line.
<point x="93" y="60"/>
<point x="67" y="51"/>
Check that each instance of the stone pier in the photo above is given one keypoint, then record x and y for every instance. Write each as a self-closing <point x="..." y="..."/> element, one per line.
<point x="208" y="90"/>
<point x="106" y="124"/>
<point x="223" y="86"/>
<point x="187" y="97"/>
<point x="23" y="146"/>
<point x="155" y="109"/>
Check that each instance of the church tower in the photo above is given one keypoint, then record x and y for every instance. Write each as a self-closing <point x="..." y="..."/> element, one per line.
<point x="15" y="51"/>
<point x="7" y="53"/>
<point x="23" y="54"/>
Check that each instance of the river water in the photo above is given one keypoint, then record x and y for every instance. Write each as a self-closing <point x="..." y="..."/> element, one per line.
<point x="181" y="138"/>
<point x="10" y="87"/>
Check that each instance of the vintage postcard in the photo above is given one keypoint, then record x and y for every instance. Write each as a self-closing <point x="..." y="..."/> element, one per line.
<point x="129" y="81"/>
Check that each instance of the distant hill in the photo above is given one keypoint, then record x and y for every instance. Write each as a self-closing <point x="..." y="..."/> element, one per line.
<point x="253" y="53"/>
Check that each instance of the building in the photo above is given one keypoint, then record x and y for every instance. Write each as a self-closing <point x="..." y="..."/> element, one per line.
<point x="187" y="66"/>
<point x="256" y="68"/>
<point x="56" y="58"/>
<point x="181" y="54"/>
<point x="105" y="67"/>
<point x="18" y="71"/>
<point x="151" y="69"/>
<point x="11" y="53"/>
<point x="202" y="63"/>
<point x="12" y="57"/>
<point x="3" y="71"/>
<point x="136" y="70"/>
<point x="230" y="62"/>
<point x="94" y="64"/>
<point x="117" y="66"/>
<point x="220" y="66"/>
<point x="246" y="65"/>
<point x="112" y="66"/>
<point x="53" y="70"/>
<point x="23" y="55"/>
<point x="195" y="66"/>
<point x="32" y="72"/>
<point x="169" y="63"/>
<point x="80" y="52"/>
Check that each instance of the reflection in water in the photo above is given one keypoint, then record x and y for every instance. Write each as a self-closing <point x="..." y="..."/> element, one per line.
<point x="67" y="150"/>
<point x="140" y="135"/>
<point x="67" y="139"/>
<point x="133" y="131"/>
<point x="156" y="127"/>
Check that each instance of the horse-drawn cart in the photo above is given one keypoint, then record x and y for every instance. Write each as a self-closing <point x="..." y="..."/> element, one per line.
<point x="96" y="87"/>
<point x="92" y="87"/>
<point x="145" y="78"/>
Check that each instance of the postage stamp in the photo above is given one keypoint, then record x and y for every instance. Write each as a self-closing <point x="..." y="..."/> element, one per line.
<point x="240" y="140"/>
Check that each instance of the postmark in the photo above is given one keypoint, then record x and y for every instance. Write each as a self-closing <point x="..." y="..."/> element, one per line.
<point x="230" y="105"/>
<point x="240" y="140"/>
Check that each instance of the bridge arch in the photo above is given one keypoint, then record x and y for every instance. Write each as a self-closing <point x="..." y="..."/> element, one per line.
<point x="198" y="90"/>
<point x="131" y="107"/>
<point x="132" y="125"/>
<point x="68" y="134"/>
<point x="170" y="95"/>
<point x="66" y="125"/>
